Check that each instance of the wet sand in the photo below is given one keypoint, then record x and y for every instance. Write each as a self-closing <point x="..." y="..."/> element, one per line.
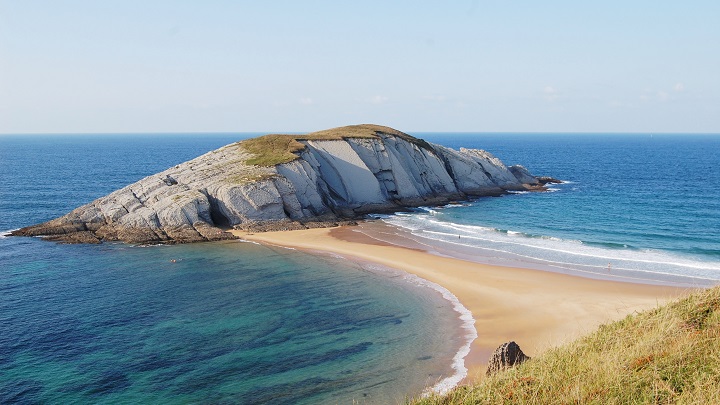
<point x="537" y="309"/>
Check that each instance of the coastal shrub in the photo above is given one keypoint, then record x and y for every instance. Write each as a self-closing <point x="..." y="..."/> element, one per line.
<point x="667" y="355"/>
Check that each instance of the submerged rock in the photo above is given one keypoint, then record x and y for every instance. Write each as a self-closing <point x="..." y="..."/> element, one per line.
<point x="504" y="357"/>
<point x="286" y="182"/>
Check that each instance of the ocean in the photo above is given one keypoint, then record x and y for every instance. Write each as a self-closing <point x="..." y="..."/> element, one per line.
<point x="235" y="322"/>
<point x="636" y="207"/>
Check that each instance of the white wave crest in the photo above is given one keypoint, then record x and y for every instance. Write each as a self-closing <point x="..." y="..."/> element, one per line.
<point x="468" y="324"/>
<point x="379" y="216"/>
<point x="429" y="210"/>
<point x="5" y="234"/>
<point x="547" y="252"/>
<point x="456" y="205"/>
<point x="249" y="241"/>
<point x="464" y="315"/>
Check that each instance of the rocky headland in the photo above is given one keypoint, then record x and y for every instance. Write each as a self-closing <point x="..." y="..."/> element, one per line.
<point x="277" y="182"/>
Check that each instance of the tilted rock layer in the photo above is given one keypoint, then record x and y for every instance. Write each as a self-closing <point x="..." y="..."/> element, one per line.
<point x="335" y="175"/>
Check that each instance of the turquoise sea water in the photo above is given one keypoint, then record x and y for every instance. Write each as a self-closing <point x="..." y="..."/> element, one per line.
<point x="241" y="323"/>
<point x="226" y="322"/>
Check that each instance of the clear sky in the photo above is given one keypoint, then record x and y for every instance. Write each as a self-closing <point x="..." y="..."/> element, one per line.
<point x="239" y="66"/>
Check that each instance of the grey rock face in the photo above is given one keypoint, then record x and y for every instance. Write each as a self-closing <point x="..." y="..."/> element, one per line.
<point x="477" y="172"/>
<point x="523" y="175"/>
<point x="505" y="356"/>
<point x="332" y="180"/>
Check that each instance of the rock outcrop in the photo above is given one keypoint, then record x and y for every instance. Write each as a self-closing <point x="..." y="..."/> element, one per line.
<point x="506" y="356"/>
<point x="328" y="176"/>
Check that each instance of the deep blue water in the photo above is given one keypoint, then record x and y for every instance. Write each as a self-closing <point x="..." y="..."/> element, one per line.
<point x="643" y="206"/>
<point x="226" y="322"/>
<point x="240" y="323"/>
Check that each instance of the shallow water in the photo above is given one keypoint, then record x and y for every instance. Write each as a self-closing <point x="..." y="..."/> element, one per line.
<point x="224" y="322"/>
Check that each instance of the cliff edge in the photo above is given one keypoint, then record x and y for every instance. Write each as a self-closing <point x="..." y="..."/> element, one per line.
<point x="286" y="181"/>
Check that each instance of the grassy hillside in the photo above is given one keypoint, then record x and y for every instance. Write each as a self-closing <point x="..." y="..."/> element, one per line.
<point x="663" y="356"/>
<point x="270" y="150"/>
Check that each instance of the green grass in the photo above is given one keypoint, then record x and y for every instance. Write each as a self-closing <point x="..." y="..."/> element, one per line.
<point x="271" y="150"/>
<point x="663" y="356"/>
<point x="245" y="178"/>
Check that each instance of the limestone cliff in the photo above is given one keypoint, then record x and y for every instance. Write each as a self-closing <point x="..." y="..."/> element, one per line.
<point x="292" y="180"/>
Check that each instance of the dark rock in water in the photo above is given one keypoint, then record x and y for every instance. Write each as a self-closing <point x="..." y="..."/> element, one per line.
<point x="548" y="180"/>
<point x="75" y="237"/>
<point x="504" y="357"/>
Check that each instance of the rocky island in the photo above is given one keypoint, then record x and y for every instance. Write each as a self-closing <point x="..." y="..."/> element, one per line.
<point x="279" y="182"/>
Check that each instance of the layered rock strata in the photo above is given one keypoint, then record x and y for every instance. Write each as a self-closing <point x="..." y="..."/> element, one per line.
<point x="335" y="175"/>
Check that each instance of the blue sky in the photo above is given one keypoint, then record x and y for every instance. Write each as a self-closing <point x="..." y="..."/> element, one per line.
<point x="227" y="66"/>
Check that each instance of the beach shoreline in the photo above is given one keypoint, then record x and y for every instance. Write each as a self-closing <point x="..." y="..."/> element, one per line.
<point x="537" y="309"/>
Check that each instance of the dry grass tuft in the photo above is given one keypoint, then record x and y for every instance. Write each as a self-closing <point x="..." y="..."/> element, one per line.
<point x="244" y="178"/>
<point x="271" y="150"/>
<point x="667" y="355"/>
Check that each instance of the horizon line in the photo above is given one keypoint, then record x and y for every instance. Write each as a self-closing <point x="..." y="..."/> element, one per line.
<point x="409" y="132"/>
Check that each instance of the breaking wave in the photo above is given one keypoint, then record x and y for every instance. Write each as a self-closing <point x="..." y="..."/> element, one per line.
<point x="522" y="249"/>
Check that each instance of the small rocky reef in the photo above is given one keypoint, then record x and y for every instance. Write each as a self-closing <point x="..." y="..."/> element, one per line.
<point x="277" y="182"/>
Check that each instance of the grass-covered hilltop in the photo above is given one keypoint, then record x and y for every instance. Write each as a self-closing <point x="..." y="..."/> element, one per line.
<point x="280" y="182"/>
<point x="275" y="149"/>
<point x="667" y="355"/>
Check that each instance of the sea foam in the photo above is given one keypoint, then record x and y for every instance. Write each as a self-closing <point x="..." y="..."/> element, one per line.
<point x="468" y="325"/>
<point x="520" y="249"/>
<point x="5" y="234"/>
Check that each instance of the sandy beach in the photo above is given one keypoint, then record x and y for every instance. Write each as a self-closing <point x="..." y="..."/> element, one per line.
<point x="537" y="309"/>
